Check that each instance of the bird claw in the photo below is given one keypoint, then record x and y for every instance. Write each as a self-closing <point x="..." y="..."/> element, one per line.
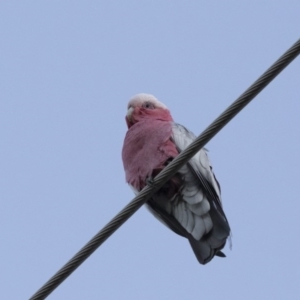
<point x="150" y="181"/>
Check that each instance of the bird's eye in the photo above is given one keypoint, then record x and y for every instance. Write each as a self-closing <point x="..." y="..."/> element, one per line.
<point x="148" y="105"/>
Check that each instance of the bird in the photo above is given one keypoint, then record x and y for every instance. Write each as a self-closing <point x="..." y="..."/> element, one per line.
<point x="190" y="202"/>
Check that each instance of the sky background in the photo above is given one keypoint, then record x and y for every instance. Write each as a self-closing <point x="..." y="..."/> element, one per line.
<point x="67" y="71"/>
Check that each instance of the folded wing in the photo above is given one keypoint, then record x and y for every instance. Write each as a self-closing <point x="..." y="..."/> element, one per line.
<point x="195" y="209"/>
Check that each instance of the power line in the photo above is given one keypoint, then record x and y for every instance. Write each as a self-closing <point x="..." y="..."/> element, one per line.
<point x="168" y="172"/>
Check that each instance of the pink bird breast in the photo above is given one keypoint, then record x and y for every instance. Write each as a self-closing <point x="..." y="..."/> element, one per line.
<point x="146" y="147"/>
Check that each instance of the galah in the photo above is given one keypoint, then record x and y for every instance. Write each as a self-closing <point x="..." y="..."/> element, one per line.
<point x="190" y="202"/>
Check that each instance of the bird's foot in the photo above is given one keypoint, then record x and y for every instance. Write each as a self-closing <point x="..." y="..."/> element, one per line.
<point x="150" y="181"/>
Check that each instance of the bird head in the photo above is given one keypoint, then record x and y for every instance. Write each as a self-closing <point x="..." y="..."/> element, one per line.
<point x="145" y="106"/>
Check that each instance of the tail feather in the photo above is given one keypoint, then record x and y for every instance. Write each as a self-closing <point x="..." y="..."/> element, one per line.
<point x="204" y="251"/>
<point x="211" y="244"/>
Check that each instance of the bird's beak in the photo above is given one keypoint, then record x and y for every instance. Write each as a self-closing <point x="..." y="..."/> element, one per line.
<point x="129" y="114"/>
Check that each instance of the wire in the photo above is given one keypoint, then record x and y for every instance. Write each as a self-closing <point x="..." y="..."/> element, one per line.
<point x="168" y="172"/>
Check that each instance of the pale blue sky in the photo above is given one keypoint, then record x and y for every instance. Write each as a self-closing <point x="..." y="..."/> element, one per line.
<point x="67" y="71"/>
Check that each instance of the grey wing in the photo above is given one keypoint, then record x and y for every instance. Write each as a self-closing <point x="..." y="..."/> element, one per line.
<point x="199" y="209"/>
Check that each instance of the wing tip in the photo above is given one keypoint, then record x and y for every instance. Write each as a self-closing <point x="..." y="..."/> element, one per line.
<point x="204" y="251"/>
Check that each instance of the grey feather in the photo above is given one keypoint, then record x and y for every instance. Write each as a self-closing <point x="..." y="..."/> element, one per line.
<point x="195" y="211"/>
<point x="210" y="234"/>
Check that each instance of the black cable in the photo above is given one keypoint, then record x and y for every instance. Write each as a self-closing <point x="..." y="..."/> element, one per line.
<point x="168" y="172"/>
